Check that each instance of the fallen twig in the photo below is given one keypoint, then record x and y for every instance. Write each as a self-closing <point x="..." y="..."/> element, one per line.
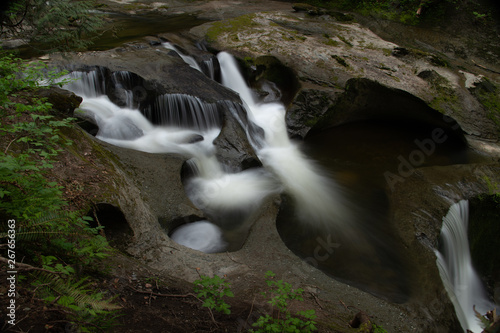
<point x="163" y="295"/>
<point x="26" y="267"/>
<point x="317" y="300"/>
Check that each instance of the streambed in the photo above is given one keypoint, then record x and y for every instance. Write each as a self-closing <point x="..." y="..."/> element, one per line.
<point x="350" y="173"/>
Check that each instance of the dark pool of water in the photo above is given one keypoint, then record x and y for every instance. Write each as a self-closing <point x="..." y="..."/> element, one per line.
<point x="124" y="28"/>
<point x="359" y="156"/>
<point x="127" y="28"/>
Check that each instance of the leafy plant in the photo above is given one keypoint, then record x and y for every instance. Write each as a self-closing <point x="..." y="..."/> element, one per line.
<point x="88" y="307"/>
<point x="212" y="291"/>
<point x="55" y="240"/>
<point x="281" y="294"/>
<point x="378" y="329"/>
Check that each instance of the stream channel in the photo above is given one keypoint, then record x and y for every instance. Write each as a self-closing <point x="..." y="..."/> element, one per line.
<point x="333" y="184"/>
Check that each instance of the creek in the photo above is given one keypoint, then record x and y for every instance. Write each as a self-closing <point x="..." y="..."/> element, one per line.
<point x="334" y="211"/>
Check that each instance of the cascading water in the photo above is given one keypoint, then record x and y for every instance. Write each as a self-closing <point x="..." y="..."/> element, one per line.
<point x="318" y="201"/>
<point x="185" y="125"/>
<point x="184" y="111"/>
<point x="119" y="79"/>
<point x="187" y="59"/>
<point x="455" y="267"/>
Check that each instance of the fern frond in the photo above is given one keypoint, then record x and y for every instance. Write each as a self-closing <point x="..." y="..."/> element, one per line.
<point x="46" y="218"/>
<point x="44" y="225"/>
<point x="29" y="236"/>
<point x="77" y="291"/>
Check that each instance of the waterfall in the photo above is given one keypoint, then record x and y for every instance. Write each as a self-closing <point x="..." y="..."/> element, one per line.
<point x="187" y="59"/>
<point x="455" y="267"/>
<point x="184" y="111"/>
<point x="185" y="125"/>
<point x="209" y="68"/>
<point x="89" y="84"/>
<point x="317" y="197"/>
<point x="121" y="79"/>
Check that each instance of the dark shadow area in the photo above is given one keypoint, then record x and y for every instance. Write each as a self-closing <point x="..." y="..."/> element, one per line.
<point x="116" y="228"/>
<point x="484" y="232"/>
<point x="362" y="157"/>
<point x="365" y="100"/>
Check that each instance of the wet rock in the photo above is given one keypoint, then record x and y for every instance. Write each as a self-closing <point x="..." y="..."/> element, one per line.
<point x="232" y="144"/>
<point x="307" y="108"/>
<point x="63" y="101"/>
<point x="268" y="69"/>
<point x="150" y="72"/>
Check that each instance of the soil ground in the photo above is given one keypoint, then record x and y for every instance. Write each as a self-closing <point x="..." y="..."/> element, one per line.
<point x="152" y="303"/>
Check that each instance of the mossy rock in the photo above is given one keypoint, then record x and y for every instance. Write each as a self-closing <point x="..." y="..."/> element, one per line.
<point x="230" y="26"/>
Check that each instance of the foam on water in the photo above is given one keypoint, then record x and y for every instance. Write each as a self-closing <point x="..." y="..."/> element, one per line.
<point x="202" y="236"/>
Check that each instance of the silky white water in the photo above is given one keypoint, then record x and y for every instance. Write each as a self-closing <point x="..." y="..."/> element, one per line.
<point x="187" y="59"/>
<point x="202" y="236"/>
<point x="230" y="198"/>
<point x="455" y="267"/>
<point x="318" y="200"/>
<point x="187" y="126"/>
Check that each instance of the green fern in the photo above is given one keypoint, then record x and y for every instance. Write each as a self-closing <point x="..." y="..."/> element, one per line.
<point x="85" y="305"/>
<point x="46" y="226"/>
<point x="52" y="239"/>
<point x="78" y="291"/>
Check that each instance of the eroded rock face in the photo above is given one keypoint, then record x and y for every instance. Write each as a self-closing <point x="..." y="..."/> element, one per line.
<point x="308" y="107"/>
<point x="328" y="53"/>
<point x="365" y="99"/>
<point x="349" y="74"/>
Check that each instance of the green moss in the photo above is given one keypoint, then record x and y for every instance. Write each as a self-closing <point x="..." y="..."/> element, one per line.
<point x="438" y="61"/>
<point x="444" y="100"/>
<point x="230" y="26"/>
<point x="331" y="42"/>
<point x="340" y="60"/>
<point x="387" y="52"/>
<point x="342" y="38"/>
<point x="134" y="6"/>
<point x="395" y="78"/>
<point x="491" y="102"/>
